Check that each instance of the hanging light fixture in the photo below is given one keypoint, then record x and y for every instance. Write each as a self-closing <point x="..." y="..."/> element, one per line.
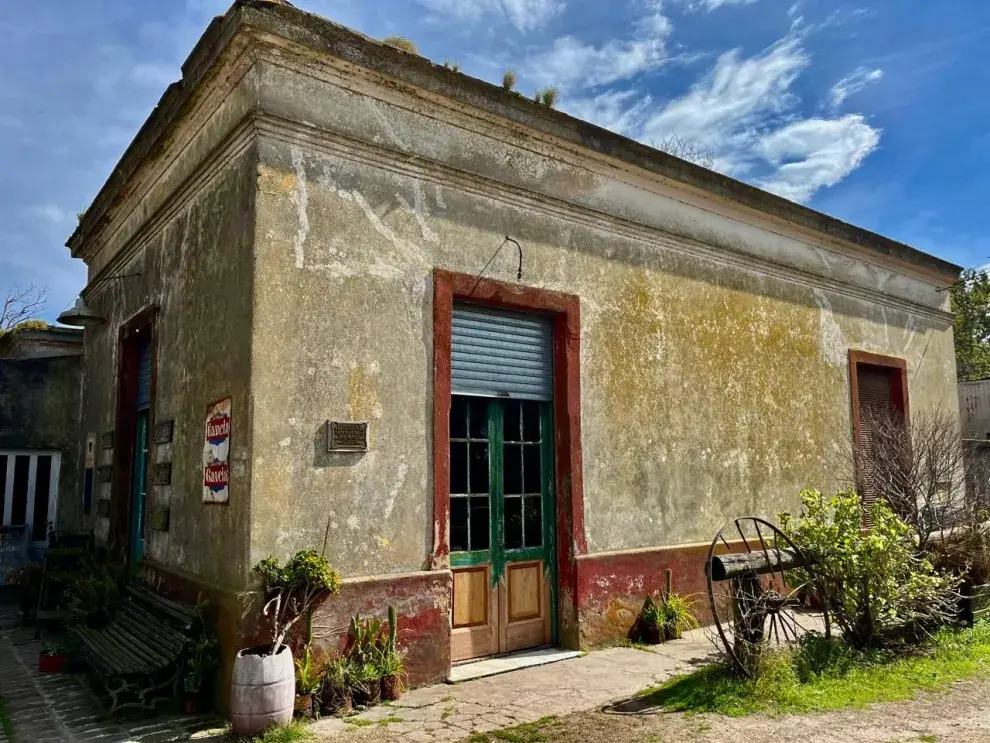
<point x="80" y="315"/>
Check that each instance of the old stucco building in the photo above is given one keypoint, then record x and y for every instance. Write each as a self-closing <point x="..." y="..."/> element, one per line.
<point x="656" y="349"/>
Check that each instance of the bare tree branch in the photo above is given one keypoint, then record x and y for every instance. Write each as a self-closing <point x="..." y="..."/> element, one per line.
<point x="686" y="149"/>
<point x="21" y="304"/>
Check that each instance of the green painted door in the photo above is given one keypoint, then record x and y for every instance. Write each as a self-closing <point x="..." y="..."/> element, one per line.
<point x="501" y="525"/>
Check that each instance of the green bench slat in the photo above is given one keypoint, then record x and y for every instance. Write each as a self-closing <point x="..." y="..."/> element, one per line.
<point x="134" y="646"/>
<point x="149" y="634"/>
<point x="140" y="616"/>
<point x="184" y="615"/>
<point x="109" y="655"/>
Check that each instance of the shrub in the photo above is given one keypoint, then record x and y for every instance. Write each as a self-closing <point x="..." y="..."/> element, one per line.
<point x="94" y="594"/>
<point x="292" y="589"/>
<point x="876" y="586"/>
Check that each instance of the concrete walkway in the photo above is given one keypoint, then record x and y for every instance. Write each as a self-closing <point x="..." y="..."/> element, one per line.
<point x="63" y="707"/>
<point x="453" y="711"/>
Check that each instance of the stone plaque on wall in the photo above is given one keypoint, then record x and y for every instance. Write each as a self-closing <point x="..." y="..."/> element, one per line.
<point x="104" y="473"/>
<point x="163" y="432"/>
<point x="103" y="508"/>
<point x="347" y="435"/>
<point x="161" y="473"/>
<point x="106" y="440"/>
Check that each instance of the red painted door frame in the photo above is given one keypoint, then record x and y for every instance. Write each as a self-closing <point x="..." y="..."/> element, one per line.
<point x="566" y="312"/>
<point x="129" y="338"/>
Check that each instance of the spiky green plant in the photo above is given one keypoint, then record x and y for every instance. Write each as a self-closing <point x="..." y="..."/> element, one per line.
<point x="509" y="80"/>
<point x="403" y="43"/>
<point x="547" y="96"/>
<point x="454" y="66"/>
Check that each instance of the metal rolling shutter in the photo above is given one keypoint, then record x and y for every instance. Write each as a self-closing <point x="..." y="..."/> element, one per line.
<point x="495" y="353"/>
<point x="876" y="401"/>
<point x="144" y="376"/>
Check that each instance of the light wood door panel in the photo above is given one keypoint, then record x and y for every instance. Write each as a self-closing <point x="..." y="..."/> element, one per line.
<point x="524" y="609"/>
<point x="475" y="620"/>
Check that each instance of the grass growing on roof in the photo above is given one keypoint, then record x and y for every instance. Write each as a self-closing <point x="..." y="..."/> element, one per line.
<point x="827" y="675"/>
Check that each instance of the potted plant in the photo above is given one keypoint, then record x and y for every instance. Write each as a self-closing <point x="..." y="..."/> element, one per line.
<point x="391" y="666"/>
<point x="263" y="692"/>
<point x="27" y="578"/>
<point x="366" y="649"/>
<point x="53" y="656"/>
<point x="676" y="615"/>
<point x="201" y="661"/>
<point x="309" y="674"/>
<point x="335" y="687"/>
<point x="651" y="618"/>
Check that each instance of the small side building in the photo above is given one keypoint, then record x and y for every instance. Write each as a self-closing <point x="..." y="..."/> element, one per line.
<point x="510" y="365"/>
<point x="41" y="372"/>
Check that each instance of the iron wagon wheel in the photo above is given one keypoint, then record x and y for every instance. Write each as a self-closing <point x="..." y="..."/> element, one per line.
<point x="766" y="606"/>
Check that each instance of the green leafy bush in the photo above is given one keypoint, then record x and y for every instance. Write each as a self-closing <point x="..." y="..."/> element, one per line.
<point x="877" y="587"/>
<point x="292" y="589"/>
<point x="95" y="593"/>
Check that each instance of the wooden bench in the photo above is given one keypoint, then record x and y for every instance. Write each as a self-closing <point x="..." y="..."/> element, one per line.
<point x="139" y="655"/>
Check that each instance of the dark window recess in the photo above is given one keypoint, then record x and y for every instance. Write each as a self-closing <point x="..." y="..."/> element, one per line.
<point x="478" y="475"/>
<point x="458" y="418"/>
<point x="42" y="486"/>
<point x="18" y="514"/>
<point x="478" y="420"/>
<point x="512" y="468"/>
<point x="531" y="468"/>
<point x="459" y="524"/>
<point x="513" y="523"/>
<point x="479" y="523"/>
<point x="458" y="467"/>
<point x="531" y="421"/>
<point x="533" y="522"/>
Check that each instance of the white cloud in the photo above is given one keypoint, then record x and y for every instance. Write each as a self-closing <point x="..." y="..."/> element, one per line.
<point x="710" y="5"/>
<point x="726" y="108"/>
<point x="852" y="84"/>
<point x="525" y="15"/>
<point x="51" y="213"/>
<point x="621" y="111"/>
<point x="572" y="61"/>
<point x="815" y="153"/>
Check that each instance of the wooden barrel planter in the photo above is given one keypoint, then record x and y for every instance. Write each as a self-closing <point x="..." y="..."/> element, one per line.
<point x="263" y="691"/>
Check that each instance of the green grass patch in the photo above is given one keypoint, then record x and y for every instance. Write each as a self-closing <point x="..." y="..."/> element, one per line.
<point x="826" y="675"/>
<point x="296" y="731"/>
<point x="359" y="722"/>
<point x="5" y="722"/>
<point x="543" y="730"/>
<point x="391" y="719"/>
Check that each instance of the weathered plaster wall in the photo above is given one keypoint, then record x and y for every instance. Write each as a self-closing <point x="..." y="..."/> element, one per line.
<point x="714" y="373"/>
<point x="39" y="409"/>
<point x="196" y="267"/>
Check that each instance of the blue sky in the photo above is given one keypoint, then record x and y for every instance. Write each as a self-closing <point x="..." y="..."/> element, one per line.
<point x="874" y="112"/>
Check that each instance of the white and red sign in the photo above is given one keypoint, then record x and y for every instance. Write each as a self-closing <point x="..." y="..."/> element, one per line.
<point x="216" y="453"/>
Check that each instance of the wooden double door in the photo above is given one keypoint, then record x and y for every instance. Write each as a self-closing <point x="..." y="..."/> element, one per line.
<point x="501" y="526"/>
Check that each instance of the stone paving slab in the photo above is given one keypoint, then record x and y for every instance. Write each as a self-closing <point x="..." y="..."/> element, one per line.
<point x="62" y="707"/>
<point x="452" y="711"/>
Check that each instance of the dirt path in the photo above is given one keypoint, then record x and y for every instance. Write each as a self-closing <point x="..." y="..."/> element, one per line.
<point x="961" y="715"/>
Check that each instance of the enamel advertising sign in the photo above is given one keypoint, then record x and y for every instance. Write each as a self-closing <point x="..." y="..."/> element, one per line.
<point x="216" y="453"/>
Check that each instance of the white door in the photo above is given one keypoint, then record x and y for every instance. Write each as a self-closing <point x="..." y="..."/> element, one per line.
<point x="29" y="482"/>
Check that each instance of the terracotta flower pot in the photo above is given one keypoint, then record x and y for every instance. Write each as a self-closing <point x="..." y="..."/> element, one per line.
<point x="304" y="705"/>
<point x="50" y="662"/>
<point x="263" y="690"/>
<point x="392" y="688"/>
<point x="368" y="693"/>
